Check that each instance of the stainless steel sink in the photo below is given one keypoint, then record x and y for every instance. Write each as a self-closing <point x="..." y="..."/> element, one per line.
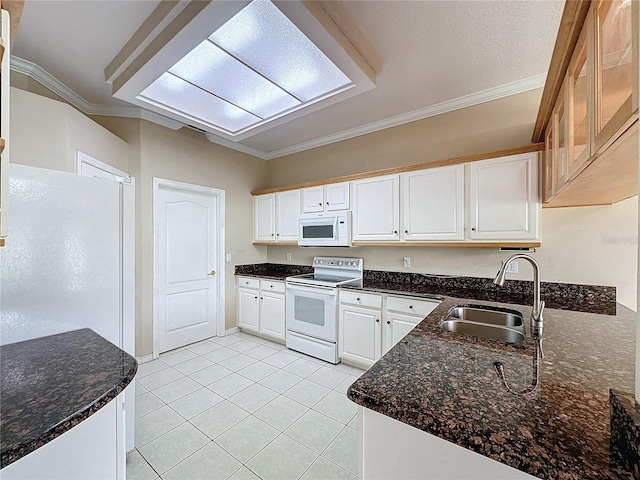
<point x="485" y="321"/>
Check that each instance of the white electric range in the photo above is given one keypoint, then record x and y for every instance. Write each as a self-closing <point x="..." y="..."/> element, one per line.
<point x="312" y="305"/>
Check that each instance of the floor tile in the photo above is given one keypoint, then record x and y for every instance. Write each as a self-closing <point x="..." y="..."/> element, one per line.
<point x="337" y="406"/>
<point x="219" y="418"/>
<point x="229" y="339"/>
<point x="138" y="468"/>
<point x="280" y="381"/>
<point x="343" y="451"/>
<point x="307" y="393"/>
<point x="147" y="403"/>
<point x="230" y="385"/>
<point x="328" y="377"/>
<point x="314" y="430"/>
<point x="269" y="464"/>
<point x="148" y="368"/>
<point x="247" y="438"/>
<point x="172" y="391"/>
<point x="345" y="384"/>
<point x="281" y="412"/>
<point x="254" y="397"/>
<point x="220" y="354"/>
<point x="348" y="369"/>
<point x="173" y="447"/>
<point x="173" y="358"/>
<point x="210" y="374"/>
<point x="139" y="388"/>
<point x="204" y="347"/>
<point x="237" y="362"/>
<point x="257" y="371"/>
<point x="196" y="402"/>
<point x="323" y="469"/>
<point x="302" y="367"/>
<point x="280" y="359"/>
<point x="193" y="365"/>
<point x="158" y="379"/>
<point x="244" y="474"/>
<point x="260" y="352"/>
<point x="243" y="345"/>
<point x="155" y="424"/>
<point x="353" y="423"/>
<point x="210" y="462"/>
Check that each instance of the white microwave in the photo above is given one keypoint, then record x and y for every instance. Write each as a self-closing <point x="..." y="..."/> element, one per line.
<point x="330" y="229"/>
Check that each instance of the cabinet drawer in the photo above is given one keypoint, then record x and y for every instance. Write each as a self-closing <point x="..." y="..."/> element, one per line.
<point x="272" y="286"/>
<point x="371" y="300"/>
<point x="411" y="305"/>
<point x="249" y="282"/>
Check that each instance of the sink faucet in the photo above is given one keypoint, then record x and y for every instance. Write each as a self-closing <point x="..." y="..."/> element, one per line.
<point x="538" y="306"/>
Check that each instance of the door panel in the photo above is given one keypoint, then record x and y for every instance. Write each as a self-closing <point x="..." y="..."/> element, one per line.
<point x="186" y="279"/>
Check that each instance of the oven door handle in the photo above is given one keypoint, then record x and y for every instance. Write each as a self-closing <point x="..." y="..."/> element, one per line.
<point x="298" y="287"/>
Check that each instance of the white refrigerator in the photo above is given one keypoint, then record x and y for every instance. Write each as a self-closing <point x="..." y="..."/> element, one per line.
<point x="68" y="261"/>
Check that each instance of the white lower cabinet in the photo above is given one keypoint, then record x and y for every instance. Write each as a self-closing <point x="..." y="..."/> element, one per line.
<point x="366" y="331"/>
<point x="261" y="307"/>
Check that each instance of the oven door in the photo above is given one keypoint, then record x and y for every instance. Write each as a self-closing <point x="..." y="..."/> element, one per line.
<point x="312" y="311"/>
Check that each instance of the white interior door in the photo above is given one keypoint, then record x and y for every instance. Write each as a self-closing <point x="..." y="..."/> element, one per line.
<point x="188" y="235"/>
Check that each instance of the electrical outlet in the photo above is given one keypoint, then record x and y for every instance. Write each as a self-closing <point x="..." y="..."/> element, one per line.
<point x="289" y="256"/>
<point x="406" y="261"/>
<point x="513" y="267"/>
<point x="228" y="257"/>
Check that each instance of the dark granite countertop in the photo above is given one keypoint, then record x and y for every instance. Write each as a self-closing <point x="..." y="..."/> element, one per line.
<point x="50" y="384"/>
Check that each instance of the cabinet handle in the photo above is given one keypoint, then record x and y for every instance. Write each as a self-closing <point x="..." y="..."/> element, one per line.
<point x="246" y="283"/>
<point x="473" y="229"/>
<point x="261" y="298"/>
<point x="255" y="298"/>
<point x="406" y="231"/>
<point x="358" y="299"/>
<point x="411" y="307"/>
<point x="395" y="231"/>
<point x="327" y="203"/>
<point x="388" y="322"/>
<point x="377" y="320"/>
<point x="320" y="204"/>
<point x="277" y="234"/>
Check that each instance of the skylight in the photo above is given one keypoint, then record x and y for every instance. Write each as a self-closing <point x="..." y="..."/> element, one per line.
<point x="256" y="67"/>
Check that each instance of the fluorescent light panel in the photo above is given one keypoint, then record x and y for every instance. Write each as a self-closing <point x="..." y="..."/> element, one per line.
<point x="257" y="66"/>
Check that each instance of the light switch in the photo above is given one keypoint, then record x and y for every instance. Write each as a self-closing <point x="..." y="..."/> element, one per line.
<point x="228" y="257"/>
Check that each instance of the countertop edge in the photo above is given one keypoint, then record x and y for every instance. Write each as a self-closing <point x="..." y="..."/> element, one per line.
<point x="27" y="446"/>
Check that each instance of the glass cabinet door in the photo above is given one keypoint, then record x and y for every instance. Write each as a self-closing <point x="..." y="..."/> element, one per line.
<point x="614" y="67"/>
<point x="579" y="115"/>
<point x="561" y="150"/>
<point x="549" y="163"/>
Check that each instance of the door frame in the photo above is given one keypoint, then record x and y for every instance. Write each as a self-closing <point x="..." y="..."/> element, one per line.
<point x="220" y="254"/>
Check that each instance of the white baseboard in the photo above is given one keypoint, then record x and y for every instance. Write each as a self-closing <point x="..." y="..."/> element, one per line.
<point x="145" y="358"/>
<point x="231" y="331"/>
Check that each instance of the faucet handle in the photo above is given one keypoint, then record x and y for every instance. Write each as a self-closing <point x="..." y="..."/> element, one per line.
<point x="541" y="309"/>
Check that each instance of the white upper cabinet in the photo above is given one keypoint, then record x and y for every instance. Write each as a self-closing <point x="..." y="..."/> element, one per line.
<point x="287" y="210"/>
<point x="503" y="198"/>
<point x="275" y="216"/>
<point x="326" y="198"/>
<point x="376" y="208"/>
<point x="433" y="204"/>
<point x="264" y="218"/>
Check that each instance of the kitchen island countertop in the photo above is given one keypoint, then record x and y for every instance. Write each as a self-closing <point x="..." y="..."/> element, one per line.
<point x="50" y="384"/>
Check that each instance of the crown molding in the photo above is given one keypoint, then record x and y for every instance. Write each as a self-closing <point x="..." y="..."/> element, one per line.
<point x="483" y="96"/>
<point x="49" y="81"/>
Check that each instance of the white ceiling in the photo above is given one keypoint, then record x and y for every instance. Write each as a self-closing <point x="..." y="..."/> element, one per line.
<point x="434" y="56"/>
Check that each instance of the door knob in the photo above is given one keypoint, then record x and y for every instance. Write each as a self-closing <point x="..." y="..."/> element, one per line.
<point x="213" y="272"/>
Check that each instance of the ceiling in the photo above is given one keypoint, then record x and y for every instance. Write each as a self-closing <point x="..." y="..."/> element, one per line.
<point x="429" y="56"/>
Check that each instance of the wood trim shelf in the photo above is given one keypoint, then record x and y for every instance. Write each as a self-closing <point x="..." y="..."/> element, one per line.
<point x="573" y="17"/>
<point x="534" y="147"/>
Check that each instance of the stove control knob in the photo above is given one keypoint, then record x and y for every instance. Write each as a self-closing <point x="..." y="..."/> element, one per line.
<point x="340" y="263"/>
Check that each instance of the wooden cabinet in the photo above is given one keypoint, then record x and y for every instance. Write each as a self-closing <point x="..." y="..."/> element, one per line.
<point x="275" y="216"/>
<point x="432" y="205"/>
<point x="359" y="327"/>
<point x="376" y="208"/>
<point x="5" y="59"/>
<point x="401" y="315"/>
<point x="261" y="307"/>
<point x="503" y="198"/>
<point x="326" y="198"/>
<point x="596" y="106"/>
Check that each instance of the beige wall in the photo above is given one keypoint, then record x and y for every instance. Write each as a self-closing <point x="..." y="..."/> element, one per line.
<point x="496" y="125"/>
<point x="187" y="156"/>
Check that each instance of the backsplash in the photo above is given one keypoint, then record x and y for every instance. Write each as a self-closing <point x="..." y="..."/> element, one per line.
<point x="563" y="296"/>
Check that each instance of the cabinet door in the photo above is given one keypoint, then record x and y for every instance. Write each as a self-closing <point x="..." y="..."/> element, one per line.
<point x="264" y="218"/>
<point x="248" y="309"/>
<point x="337" y="196"/>
<point x="396" y="326"/>
<point x="504" y="202"/>
<point x="313" y="199"/>
<point x="433" y="204"/>
<point x="288" y="208"/>
<point x="272" y="314"/>
<point x="376" y="208"/>
<point x="359" y="335"/>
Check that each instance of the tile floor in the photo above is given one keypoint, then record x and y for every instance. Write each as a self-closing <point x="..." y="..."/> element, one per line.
<point x="241" y="407"/>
